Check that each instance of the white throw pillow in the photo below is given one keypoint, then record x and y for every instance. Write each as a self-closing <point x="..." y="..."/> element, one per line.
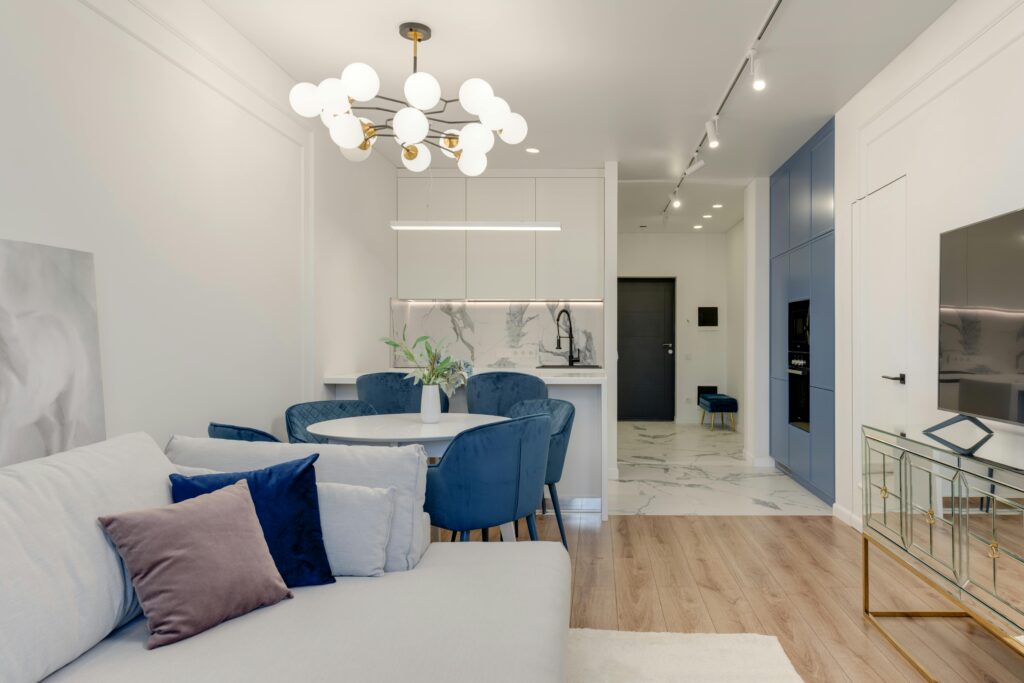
<point x="356" y="522"/>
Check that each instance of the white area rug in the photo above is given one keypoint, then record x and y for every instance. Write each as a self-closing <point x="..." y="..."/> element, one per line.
<point x="628" y="657"/>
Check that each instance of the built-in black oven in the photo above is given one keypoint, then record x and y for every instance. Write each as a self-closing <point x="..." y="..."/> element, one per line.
<point x="800" y="365"/>
<point x="800" y="325"/>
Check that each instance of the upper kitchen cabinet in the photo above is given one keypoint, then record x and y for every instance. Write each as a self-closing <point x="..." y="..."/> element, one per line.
<point x="570" y="263"/>
<point x="432" y="265"/>
<point x="799" y="200"/>
<point x="823" y="180"/>
<point x="499" y="264"/>
<point x="779" y="213"/>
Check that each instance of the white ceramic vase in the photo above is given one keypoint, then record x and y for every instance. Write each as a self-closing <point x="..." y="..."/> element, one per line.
<point x="430" y="404"/>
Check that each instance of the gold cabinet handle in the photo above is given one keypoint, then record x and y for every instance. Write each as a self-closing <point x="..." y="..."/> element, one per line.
<point x="993" y="550"/>
<point x="884" y="492"/>
<point x="931" y="517"/>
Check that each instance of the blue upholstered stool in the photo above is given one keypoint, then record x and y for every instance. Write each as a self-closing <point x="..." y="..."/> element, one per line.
<point x="718" y="404"/>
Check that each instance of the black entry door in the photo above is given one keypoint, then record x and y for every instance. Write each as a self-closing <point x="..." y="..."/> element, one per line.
<point x="647" y="325"/>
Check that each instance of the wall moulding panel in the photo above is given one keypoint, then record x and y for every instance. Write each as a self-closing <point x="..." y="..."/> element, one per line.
<point x="943" y="116"/>
<point x="150" y="111"/>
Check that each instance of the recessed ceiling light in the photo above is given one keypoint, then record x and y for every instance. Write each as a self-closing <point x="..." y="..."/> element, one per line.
<point x="707" y="215"/>
<point x="716" y="206"/>
<point x="697" y="227"/>
<point x="532" y="150"/>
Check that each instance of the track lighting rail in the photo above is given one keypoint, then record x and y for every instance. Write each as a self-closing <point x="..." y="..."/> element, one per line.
<point x="713" y="122"/>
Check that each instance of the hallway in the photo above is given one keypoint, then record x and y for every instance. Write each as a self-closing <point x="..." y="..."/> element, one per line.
<point x="671" y="469"/>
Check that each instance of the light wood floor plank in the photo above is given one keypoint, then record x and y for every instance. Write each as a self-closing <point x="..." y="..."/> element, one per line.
<point x="728" y="608"/>
<point x="636" y="595"/>
<point x="797" y="578"/>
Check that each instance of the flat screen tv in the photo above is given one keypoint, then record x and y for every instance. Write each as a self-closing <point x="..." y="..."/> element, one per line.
<point x="981" y="319"/>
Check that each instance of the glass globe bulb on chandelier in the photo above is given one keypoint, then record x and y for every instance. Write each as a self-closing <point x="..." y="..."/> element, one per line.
<point x="415" y="122"/>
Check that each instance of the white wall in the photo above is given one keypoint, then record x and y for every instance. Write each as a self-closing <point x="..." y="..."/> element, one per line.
<point x="700" y="264"/>
<point x="355" y="260"/>
<point x="153" y="135"/>
<point x="947" y="113"/>
<point x="755" y="405"/>
<point x="735" y="317"/>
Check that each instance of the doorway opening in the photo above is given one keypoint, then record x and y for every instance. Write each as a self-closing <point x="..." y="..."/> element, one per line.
<point x="647" y="341"/>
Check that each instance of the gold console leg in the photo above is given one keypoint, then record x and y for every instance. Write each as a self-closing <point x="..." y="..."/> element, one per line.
<point x="702" y="415"/>
<point x="873" y="615"/>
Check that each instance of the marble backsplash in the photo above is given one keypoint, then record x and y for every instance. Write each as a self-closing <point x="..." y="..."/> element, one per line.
<point x="502" y="334"/>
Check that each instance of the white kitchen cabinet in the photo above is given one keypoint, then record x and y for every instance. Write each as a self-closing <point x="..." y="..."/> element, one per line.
<point x="431" y="264"/>
<point x="570" y="263"/>
<point x="500" y="265"/>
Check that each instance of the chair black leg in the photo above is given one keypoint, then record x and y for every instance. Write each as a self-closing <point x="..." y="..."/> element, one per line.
<point x="516" y="525"/>
<point x="558" y="513"/>
<point x="455" y="534"/>
<point x="543" y="505"/>
<point x="465" y="536"/>
<point x="484" y="534"/>
<point x="531" y="524"/>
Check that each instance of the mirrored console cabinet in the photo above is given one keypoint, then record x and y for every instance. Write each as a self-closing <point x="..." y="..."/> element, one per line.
<point x="954" y="521"/>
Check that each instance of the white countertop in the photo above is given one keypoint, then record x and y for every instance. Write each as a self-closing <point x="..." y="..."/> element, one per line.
<point x="553" y="376"/>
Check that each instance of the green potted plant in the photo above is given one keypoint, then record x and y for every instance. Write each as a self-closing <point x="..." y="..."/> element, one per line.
<point x="434" y="369"/>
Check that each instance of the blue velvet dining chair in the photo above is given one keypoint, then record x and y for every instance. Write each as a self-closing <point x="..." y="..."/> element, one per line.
<point x="301" y="415"/>
<point x="391" y="392"/>
<point x="562" y="414"/>
<point x="489" y="476"/>
<point x="494" y="393"/>
<point x="218" y="430"/>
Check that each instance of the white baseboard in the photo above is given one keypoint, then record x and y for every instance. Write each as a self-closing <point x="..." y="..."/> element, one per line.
<point x="758" y="460"/>
<point x="847" y="517"/>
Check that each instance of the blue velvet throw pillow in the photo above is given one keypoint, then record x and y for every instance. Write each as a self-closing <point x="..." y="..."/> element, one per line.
<point x="289" y="512"/>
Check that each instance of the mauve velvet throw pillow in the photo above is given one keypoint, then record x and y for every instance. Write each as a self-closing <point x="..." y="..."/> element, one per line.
<point x="198" y="563"/>
<point x="289" y="512"/>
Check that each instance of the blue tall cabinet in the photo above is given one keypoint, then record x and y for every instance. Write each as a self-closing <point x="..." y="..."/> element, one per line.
<point x="803" y="268"/>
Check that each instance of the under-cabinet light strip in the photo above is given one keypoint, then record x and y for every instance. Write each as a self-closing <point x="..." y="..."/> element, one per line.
<point x="475" y="225"/>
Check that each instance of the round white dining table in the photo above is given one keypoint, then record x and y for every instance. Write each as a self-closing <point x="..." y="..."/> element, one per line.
<point x="400" y="429"/>
<point x="406" y="428"/>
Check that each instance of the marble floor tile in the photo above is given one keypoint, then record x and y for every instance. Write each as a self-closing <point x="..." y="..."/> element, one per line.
<point x="671" y="469"/>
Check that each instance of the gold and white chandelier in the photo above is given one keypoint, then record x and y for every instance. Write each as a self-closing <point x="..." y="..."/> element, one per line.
<point x="414" y="122"/>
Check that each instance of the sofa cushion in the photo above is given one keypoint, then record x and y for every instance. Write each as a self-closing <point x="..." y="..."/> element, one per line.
<point x="63" y="586"/>
<point x="357" y="524"/>
<point x="496" y="612"/>
<point x="197" y="563"/>
<point x="286" y="501"/>
<point x="404" y="468"/>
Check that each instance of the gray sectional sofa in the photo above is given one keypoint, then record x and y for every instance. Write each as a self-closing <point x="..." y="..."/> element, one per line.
<point x="449" y="612"/>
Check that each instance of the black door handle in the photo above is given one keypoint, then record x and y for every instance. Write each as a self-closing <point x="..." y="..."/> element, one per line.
<point x="901" y="378"/>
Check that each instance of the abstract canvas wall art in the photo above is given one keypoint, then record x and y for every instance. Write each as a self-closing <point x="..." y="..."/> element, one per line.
<point x="51" y="390"/>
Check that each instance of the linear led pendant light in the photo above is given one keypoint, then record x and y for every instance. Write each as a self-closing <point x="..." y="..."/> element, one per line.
<point x="414" y="122"/>
<point x="476" y="225"/>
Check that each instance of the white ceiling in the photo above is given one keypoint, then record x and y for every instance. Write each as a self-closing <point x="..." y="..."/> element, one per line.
<point x="626" y="80"/>
<point x="640" y="203"/>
